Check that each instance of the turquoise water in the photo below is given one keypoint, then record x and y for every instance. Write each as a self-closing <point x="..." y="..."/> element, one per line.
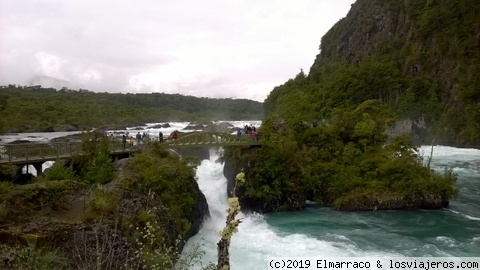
<point x="320" y="231"/>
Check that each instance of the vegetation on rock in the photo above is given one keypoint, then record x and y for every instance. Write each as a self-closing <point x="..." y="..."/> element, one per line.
<point x="324" y="135"/>
<point x="347" y="162"/>
<point x="88" y="215"/>
<point x="421" y="58"/>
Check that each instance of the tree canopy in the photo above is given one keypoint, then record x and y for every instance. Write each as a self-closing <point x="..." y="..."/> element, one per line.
<point x="34" y="108"/>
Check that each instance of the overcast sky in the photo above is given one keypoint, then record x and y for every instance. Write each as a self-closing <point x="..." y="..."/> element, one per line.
<point x="209" y="48"/>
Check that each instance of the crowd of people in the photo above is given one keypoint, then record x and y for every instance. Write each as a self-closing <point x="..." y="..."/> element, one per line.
<point x="250" y="131"/>
<point x="144" y="138"/>
<point x="140" y="138"/>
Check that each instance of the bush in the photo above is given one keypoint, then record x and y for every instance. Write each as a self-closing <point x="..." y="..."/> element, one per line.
<point x="30" y="257"/>
<point x="5" y="187"/>
<point x="58" y="171"/>
<point x="100" y="170"/>
<point x="101" y="203"/>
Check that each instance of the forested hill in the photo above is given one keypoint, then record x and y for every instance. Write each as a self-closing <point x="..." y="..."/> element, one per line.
<point x="46" y="109"/>
<point x="420" y="57"/>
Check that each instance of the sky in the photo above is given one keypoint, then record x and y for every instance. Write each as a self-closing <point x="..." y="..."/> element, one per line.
<point x="209" y="48"/>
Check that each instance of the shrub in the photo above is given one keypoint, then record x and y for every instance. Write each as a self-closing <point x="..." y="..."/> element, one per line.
<point x="58" y="171"/>
<point x="5" y="187"/>
<point x="30" y="257"/>
<point x="101" y="203"/>
<point x="100" y="170"/>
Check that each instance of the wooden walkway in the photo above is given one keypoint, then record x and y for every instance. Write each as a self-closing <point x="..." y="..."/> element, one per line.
<point x="31" y="153"/>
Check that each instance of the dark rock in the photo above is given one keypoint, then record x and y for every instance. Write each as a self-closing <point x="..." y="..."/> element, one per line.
<point x="417" y="129"/>
<point x="137" y="128"/>
<point x="20" y="142"/>
<point x="166" y="125"/>
<point x="113" y="127"/>
<point x="64" y="128"/>
<point x="199" y="213"/>
<point x="47" y="129"/>
<point x="194" y="127"/>
<point x="373" y="202"/>
<point x="69" y="138"/>
<point x="224" y="127"/>
<point x="199" y="152"/>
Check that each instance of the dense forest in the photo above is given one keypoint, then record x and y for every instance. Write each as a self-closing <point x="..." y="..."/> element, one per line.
<point x="34" y="108"/>
<point x="385" y="63"/>
<point x="421" y="58"/>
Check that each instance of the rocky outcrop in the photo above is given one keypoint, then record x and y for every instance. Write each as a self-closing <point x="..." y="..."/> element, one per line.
<point x="166" y="125"/>
<point x="369" y="202"/>
<point x="417" y="129"/>
<point x="58" y="128"/>
<point x="199" y="213"/>
<point x="58" y="215"/>
<point x="200" y="153"/>
<point x="194" y="126"/>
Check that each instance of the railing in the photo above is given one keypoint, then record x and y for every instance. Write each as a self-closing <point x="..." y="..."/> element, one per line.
<point x="199" y="139"/>
<point x="20" y="153"/>
<point x="36" y="152"/>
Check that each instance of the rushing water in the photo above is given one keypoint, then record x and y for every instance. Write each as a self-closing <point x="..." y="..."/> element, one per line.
<point x="319" y="231"/>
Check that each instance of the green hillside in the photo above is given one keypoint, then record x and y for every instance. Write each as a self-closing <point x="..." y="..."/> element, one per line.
<point x="46" y="109"/>
<point x="337" y="135"/>
<point x="421" y="58"/>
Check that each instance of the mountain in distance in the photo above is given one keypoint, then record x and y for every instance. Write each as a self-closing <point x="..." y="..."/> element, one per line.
<point x="49" y="82"/>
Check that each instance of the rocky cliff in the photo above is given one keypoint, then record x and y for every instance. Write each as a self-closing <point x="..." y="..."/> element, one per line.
<point x="420" y="57"/>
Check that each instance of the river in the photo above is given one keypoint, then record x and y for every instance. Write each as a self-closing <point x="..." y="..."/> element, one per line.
<point x="320" y="231"/>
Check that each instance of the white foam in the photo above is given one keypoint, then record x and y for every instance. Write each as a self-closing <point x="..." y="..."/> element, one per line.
<point x="256" y="240"/>
<point x="472" y="218"/>
<point x="447" y="240"/>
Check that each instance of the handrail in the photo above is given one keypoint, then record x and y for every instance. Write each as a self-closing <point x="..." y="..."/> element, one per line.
<point x="46" y="151"/>
<point x="53" y="150"/>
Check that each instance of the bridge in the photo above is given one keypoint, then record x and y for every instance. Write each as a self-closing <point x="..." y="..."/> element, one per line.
<point x="36" y="154"/>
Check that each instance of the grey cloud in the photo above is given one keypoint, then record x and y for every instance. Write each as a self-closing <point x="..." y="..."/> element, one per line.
<point x="217" y="48"/>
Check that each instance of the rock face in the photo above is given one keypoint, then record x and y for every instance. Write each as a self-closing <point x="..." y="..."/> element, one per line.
<point x="434" y="49"/>
<point x="418" y="130"/>
<point x="373" y="203"/>
<point x="166" y="125"/>
<point x="194" y="126"/>
<point x="199" y="213"/>
<point x="200" y="153"/>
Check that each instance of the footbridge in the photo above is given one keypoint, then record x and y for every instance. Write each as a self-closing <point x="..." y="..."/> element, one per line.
<point x="37" y="153"/>
<point x="208" y="139"/>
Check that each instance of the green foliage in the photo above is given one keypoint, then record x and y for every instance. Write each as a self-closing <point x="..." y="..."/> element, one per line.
<point x="5" y="187"/>
<point x="24" y="201"/>
<point x="100" y="170"/>
<point x="30" y="257"/>
<point x="58" y="171"/>
<point x="418" y="57"/>
<point x="168" y="176"/>
<point x="8" y="172"/>
<point x="94" y="164"/>
<point x="349" y="157"/>
<point x="155" y="251"/>
<point x="33" y="108"/>
<point x="101" y="203"/>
